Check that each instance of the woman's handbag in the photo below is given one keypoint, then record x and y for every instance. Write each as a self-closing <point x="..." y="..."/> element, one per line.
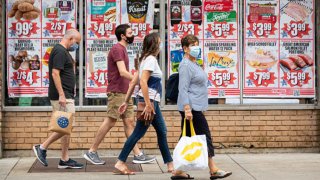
<point x="61" y="122"/>
<point x="140" y="116"/>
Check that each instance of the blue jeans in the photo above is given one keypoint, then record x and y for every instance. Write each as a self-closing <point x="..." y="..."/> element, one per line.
<point x="139" y="131"/>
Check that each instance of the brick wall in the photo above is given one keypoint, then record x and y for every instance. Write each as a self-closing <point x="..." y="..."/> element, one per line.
<point x="255" y="129"/>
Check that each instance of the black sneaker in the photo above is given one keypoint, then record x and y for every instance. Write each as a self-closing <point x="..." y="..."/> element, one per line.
<point x="41" y="154"/>
<point x="143" y="159"/>
<point x="70" y="164"/>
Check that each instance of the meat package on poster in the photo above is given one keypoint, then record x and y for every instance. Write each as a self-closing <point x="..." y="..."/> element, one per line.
<point x="58" y="17"/>
<point x="297" y="64"/>
<point x="297" y="19"/>
<point x="23" y="18"/>
<point x="262" y="18"/>
<point x="24" y="66"/>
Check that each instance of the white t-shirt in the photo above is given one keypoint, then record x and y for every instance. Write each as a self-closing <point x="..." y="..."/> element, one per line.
<point x="150" y="63"/>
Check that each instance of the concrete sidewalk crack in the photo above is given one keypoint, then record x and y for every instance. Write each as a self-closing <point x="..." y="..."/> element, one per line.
<point x="241" y="166"/>
<point x="12" y="169"/>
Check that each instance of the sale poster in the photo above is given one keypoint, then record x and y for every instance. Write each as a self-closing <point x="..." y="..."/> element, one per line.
<point x="33" y="28"/>
<point x="279" y="48"/>
<point x="221" y="48"/>
<point x="185" y="17"/>
<point x="102" y="17"/>
<point x="215" y="23"/>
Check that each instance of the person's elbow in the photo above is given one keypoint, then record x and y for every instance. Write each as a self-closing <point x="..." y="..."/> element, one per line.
<point x="55" y="74"/>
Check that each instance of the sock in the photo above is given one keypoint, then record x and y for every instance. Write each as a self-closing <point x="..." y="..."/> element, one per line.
<point x="42" y="148"/>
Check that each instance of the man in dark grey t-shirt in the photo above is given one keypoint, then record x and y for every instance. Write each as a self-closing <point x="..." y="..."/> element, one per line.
<point x="61" y="94"/>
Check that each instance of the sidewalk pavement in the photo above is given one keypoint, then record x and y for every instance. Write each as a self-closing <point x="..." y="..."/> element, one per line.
<point x="300" y="166"/>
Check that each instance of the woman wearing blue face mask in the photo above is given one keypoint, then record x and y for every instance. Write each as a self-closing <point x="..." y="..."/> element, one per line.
<point x="193" y="101"/>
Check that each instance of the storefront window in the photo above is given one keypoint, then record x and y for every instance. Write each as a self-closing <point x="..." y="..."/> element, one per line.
<point x="247" y="60"/>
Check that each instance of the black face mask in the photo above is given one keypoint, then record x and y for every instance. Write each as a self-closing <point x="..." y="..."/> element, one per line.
<point x="130" y="39"/>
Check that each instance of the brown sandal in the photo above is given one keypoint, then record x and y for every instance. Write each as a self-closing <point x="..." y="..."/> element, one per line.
<point x="124" y="172"/>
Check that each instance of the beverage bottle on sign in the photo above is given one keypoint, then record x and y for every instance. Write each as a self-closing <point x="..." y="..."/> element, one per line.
<point x="176" y="12"/>
<point x="196" y="12"/>
<point x="137" y="10"/>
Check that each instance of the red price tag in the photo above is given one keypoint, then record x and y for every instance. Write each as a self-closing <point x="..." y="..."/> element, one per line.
<point x="100" y="77"/>
<point x="24" y="28"/>
<point x="25" y="77"/>
<point x="221" y="78"/>
<point x="296" y="29"/>
<point x="140" y="29"/>
<point x="262" y="78"/>
<point x="296" y="78"/>
<point x="221" y="29"/>
<point x="184" y="29"/>
<point x="103" y="29"/>
<point x="262" y="29"/>
<point x="58" y="28"/>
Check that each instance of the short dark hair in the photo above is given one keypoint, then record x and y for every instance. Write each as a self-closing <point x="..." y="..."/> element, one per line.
<point x="189" y="39"/>
<point x="121" y="29"/>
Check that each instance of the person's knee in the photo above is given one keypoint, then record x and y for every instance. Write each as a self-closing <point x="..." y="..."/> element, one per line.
<point x="129" y="122"/>
<point x="109" y="121"/>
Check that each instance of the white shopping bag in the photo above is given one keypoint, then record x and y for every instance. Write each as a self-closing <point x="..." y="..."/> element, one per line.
<point x="191" y="153"/>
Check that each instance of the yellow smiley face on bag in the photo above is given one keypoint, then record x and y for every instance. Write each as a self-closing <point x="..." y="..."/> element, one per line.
<point x="192" y="156"/>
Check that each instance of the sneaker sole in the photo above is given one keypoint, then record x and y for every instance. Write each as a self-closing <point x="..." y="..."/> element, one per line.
<point x="88" y="159"/>
<point x="143" y="162"/>
<point x="36" y="153"/>
<point x="68" y="167"/>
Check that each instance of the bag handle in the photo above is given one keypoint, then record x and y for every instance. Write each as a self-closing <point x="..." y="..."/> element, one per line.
<point x="184" y="130"/>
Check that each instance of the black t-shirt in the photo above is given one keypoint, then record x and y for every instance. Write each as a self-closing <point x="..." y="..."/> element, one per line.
<point x="62" y="60"/>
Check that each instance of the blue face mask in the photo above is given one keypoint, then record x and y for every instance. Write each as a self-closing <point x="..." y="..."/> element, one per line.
<point x="195" y="51"/>
<point x="73" y="47"/>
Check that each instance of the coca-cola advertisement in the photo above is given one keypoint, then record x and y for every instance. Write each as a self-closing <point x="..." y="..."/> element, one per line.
<point x="219" y="5"/>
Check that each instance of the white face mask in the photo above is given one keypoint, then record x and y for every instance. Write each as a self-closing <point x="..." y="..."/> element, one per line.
<point x="195" y="51"/>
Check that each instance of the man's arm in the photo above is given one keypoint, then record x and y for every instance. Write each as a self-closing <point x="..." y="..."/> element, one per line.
<point x="57" y="82"/>
<point x="123" y="71"/>
<point x="132" y="85"/>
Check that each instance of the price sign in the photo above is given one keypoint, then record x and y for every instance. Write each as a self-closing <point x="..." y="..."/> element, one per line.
<point x="140" y="29"/>
<point x="296" y="78"/>
<point x="103" y="29"/>
<point x="221" y="29"/>
<point x="24" y="28"/>
<point x="262" y="77"/>
<point x="262" y="29"/>
<point x="186" y="28"/>
<point x="296" y="29"/>
<point x="57" y="28"/>
<point x="221" y="78"/>
<point x="25" y="77"/>
<point x="100" y="78"/>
